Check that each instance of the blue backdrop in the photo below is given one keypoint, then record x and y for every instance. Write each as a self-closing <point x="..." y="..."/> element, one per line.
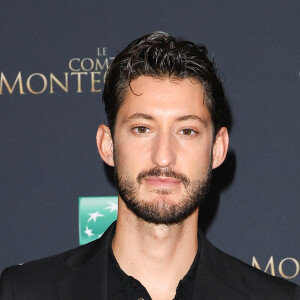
<point x="53" y="57"/>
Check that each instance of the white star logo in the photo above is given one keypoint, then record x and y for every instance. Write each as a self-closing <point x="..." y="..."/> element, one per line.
<point x="94" y="216"/>
<point x="88" y="232"/>
<point x="112" y="207"/>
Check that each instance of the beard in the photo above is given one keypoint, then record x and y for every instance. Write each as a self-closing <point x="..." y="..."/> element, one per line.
<point x="163" y="210"/>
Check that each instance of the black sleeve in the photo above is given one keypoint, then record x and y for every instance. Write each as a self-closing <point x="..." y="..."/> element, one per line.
<point x="296" y="295"/>
<point x="6" y="290"/>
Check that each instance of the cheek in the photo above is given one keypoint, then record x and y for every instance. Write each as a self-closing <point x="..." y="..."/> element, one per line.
<point x="128" y="158"/>
<point x="130" y="148"/>
<point x="198" y="158"/>
<point x="201" y="163"/>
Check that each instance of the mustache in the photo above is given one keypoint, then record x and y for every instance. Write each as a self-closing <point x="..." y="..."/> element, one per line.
<point x="155" y="172"/>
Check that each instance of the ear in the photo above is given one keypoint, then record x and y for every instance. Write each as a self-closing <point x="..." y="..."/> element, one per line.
<point x="220" y="147"/>
<point x="105" y="144"/>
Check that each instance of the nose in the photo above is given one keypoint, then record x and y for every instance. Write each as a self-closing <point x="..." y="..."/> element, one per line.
<point x="164" y="150"/>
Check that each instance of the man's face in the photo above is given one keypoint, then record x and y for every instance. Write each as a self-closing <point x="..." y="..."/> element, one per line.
<point x="163" y="148"/>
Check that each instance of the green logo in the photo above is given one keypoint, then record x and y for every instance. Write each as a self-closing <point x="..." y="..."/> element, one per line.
<point x="95" y="216"/>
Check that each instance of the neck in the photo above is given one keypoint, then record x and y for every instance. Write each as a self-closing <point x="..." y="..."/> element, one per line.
<point x="158" y="256"/>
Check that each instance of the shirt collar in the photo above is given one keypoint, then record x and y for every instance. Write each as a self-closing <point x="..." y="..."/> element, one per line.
<point x="118" y="279"/>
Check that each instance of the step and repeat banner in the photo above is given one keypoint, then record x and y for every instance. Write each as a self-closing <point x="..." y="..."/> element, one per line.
<point x="56" y="193"/>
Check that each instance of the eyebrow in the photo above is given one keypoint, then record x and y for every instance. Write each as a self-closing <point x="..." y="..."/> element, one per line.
<point x="138" y="116"/>
<point x="149" y="117"/>
<point x="192" y="117"/>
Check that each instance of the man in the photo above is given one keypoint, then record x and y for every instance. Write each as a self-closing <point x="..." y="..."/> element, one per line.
<point x="165" y="108"/>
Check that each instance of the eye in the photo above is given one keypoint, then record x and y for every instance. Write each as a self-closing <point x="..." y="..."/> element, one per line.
<point x="141" y="129"/>
<point x="187" y="131"/>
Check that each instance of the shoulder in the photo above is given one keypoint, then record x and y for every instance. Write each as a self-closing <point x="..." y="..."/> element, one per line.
<point x="260" y="283"/>
<point x="246" y="278"/>
<point x="253" y="276"/>
<point x="40" y="269"/>
<point x="32" y="276"/>
<point x="42" y="275"/>
<point x="35" y="277"/>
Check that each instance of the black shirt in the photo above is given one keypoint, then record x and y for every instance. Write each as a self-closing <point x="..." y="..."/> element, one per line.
<point x="120" y="286"/>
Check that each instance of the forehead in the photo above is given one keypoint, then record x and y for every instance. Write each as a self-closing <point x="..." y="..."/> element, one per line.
<point x="164" y="97"/>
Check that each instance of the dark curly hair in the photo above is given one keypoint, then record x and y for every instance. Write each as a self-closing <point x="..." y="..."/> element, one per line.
<point x="161" y="55"/>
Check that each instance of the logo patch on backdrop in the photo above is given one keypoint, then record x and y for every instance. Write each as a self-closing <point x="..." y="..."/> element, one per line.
<point x="95" y="216"/>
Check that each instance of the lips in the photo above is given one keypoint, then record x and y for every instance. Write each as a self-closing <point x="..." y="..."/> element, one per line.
<point x="162" y="181"/>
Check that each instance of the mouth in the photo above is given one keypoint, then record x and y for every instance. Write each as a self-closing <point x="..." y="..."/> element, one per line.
<point x="162" y="181"/>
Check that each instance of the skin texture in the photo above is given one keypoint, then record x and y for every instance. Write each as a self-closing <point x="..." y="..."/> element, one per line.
<point x="163" y="125"/>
